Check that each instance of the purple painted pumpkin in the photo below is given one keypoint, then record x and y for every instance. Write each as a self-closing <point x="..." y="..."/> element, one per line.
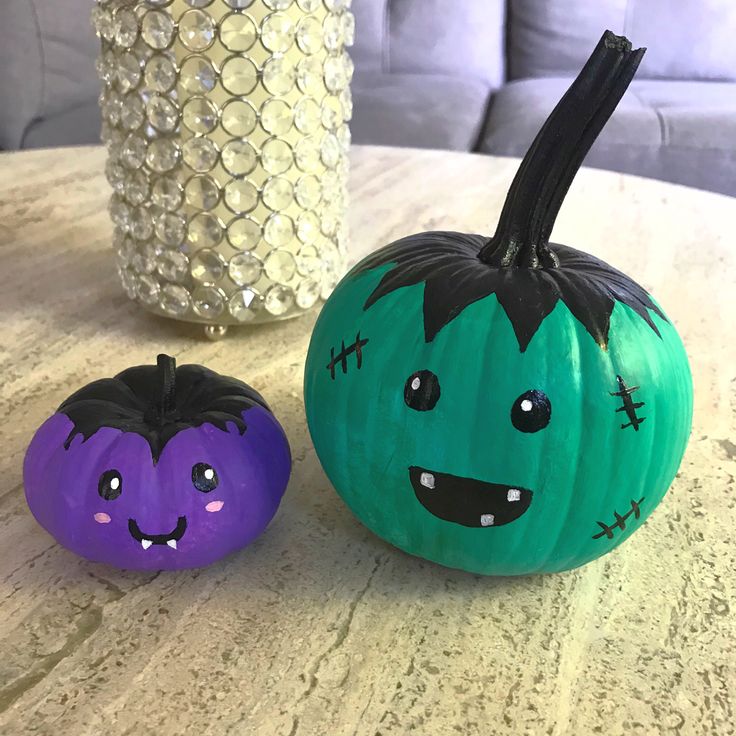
<point x="158" y="468"/>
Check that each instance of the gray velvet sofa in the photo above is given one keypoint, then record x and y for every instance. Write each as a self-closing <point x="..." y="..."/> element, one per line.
<point x="484" y="74"/>
<point x="456" y="74"/>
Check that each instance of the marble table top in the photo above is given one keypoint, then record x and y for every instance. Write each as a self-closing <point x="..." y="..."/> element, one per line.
<point x="319" y="627"/>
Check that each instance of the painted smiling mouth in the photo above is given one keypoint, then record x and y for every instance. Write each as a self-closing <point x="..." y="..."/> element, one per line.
<point x="468" y="501"/>
<point x="147" y="540"/>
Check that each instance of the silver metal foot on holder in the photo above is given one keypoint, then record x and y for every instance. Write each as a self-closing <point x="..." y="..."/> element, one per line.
<point x="215" y="332"/>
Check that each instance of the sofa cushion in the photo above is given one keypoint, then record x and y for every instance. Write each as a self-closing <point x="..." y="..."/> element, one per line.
<point x="463" y="38"/>
<point x="686" y="39"/>
<point x="683" y="132"/>
<point x="420" y="110"/>
<point x="47" y="60"/>
<point x="371" y="23"/>
<point x="75" y="127"/>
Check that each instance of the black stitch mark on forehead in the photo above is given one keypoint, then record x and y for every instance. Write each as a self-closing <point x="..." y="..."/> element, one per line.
<point x="620" y="522"/>
<point x="342" y="356"/>
<point x="624" y="393"/>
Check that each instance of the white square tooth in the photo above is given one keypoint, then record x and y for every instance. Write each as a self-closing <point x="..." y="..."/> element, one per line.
<point x="487" y="519"/>
<point x="427" y="480"/>
<point x="514" y="494"/>
<point x="146" y="543"/>
<point x="171" y="543"/>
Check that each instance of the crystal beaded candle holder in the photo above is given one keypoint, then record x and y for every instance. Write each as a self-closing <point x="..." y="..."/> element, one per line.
<point x="226" y="123"/>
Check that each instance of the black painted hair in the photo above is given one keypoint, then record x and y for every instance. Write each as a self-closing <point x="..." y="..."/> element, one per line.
<point x="526" y="272"/>
<point x="159" y="401"/>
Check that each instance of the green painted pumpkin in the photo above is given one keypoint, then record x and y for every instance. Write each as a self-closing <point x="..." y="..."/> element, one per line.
<point x="504" y="405"/>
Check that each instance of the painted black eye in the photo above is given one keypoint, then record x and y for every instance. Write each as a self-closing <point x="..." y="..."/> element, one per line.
<point x="531" y="411"/>
<point x="110" y="485"/>
<point x="422" y="390"/>
<point x="204" y="477"/>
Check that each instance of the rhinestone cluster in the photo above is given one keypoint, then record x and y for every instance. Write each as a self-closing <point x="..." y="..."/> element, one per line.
<point x="226" y="123"/>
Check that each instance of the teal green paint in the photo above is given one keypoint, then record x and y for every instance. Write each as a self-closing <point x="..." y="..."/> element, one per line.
<point x="582" y="467"/>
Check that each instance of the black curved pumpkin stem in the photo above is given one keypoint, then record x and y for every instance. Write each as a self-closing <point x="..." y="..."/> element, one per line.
<point x="550" y="164"/>
<point x="167" y="384"/>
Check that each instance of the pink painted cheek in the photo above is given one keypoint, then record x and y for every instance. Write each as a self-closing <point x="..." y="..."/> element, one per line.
<point x="102" y="518"/>
<point x="214" y="506"/>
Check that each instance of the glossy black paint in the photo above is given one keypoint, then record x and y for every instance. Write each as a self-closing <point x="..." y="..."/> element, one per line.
<point x="448" y="265"/>
<point x="159" y="401"/>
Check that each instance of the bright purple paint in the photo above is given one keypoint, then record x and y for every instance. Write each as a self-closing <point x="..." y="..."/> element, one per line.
<point x="61" y="490"/>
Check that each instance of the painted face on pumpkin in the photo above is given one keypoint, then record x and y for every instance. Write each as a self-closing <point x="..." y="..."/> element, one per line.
<point x="146" y="494"/>
<point x="471" y="452"/>
<point x="508" y="405"/>
<point x="470" y="501"/>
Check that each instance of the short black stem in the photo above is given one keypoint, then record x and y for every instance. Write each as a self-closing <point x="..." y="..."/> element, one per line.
<point x="167" y="384"/>
<point x="545" y="174"/>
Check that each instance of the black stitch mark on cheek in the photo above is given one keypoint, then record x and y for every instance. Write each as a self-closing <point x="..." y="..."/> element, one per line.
<point x="620" y="522"/>
<point x="342" y="356"/>
<point x="624" y="393"/>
